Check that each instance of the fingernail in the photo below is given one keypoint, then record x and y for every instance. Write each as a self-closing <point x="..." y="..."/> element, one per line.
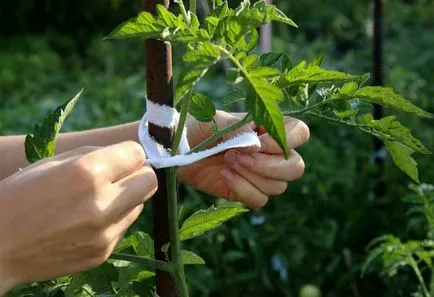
<point x="231" y="158"/>
<point x="245" y="160"/>
<point x="227" y="174"/>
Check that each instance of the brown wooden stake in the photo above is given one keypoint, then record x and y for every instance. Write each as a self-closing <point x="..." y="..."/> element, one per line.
<point x="160" y="90"/>
<point x="377" y="80"/>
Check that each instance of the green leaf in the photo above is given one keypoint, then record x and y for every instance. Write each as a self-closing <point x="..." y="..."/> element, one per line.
<point x="264" y="72"/>
<point x="265" y="110"/>
<point x="274" y="13"/>
<point x="401" y="156"/>
<point x="163" y="26"/>
<point x="142" y="244"/>
<point x="386" y="97"/>
<point x="41" y="143"/>
<point x="391" y="129"/>
<point x="250" y="61"/>
<point x="286" y="64"/>
<point x="233" y="96"/>
<point x="346" y="113"/>
<point x="99" y="279"/>
<point x="246" y="18"/>
<point x="314" y="74"/>
<point x="190" y="258"/>
<point x="202" y="108"/>
<point x="197" y="61"/>
<point x="269" y="59"/>
<point x="124" y="244"/>
<point x="205" y="220"/>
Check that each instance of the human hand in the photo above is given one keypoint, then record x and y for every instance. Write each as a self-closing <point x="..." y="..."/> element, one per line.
<point x="66" y="214"/>
<point x="246" y="176"/>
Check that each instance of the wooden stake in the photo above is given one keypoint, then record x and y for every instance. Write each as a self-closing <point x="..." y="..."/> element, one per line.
<point x="160" y="90"/>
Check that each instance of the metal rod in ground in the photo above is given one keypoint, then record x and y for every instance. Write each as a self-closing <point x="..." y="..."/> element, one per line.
<point x="160" y="90"/>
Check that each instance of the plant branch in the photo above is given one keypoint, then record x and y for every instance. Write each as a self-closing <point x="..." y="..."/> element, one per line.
<point x="302" y="111"/>
<point x="179" y="130"/>
<point x="219" y="134"/>
<point x="340" y="121"/>
<point x="175" y="242"/>
<point x="184" y="11"/>
<point x="148" y="263"/>
<point x="193" y="6"/>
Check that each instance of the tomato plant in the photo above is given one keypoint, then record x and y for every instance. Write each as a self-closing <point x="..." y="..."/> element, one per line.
<point x="270" y="85"/>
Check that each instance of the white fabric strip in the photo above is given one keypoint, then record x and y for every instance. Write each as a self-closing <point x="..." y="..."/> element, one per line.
<point x="160" y="157"/>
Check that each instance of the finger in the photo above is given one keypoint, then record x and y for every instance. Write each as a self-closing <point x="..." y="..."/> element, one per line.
<point x="242" y="190"/>
<point x="270" y="166"/>
<point x="111" y="237"/>
<point x="270" y="187"/>
<point x="198" y="131"/>
<point x="56" y="160"/>
<point x="131" y="191"/>
<point x="114" y="162"/>
<point x="120" y="228"/>
<point x="297" y="133"/>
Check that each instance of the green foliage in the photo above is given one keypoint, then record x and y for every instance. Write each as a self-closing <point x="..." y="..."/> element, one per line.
<point x="384" y="96"/>
<point x="321" y="225"/>
<point x="394" y="254"/>
<point x="41" y="143"/>
<point x="205" y="220"/>
<point x="202" y="108"/>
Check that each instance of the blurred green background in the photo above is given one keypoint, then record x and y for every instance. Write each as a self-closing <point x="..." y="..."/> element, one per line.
<point x="317" y="232"/>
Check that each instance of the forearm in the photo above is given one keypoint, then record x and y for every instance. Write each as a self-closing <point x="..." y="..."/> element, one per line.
<point x="12" y="154"/>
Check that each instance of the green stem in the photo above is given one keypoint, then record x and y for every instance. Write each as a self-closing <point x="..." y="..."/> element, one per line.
<point x="184" y="11"/>
<point x="302" y="111"/>
<point x="216" y="136"/>
<point x="175" y="242"/>
<point x="182" y="117"/>
<point x="149" y="264"/>
<point x="340" y="121"/>
<point x="420" y="278"/>
<point x="193" y="6"/>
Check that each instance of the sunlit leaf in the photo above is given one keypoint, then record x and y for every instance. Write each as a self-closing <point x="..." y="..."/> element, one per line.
<point x="205" y="220"/>
<point x="314" y="74"/>
<point x="266" y="111"/>
<point x="386" y="97"/>
<point x="41" y="143"/>
<point x="197" y="61"/>
<point x="401" y="156"/>
<point x="202" y="108"/>
<point x="190" y="258"/>
<point x="143" y="244"/>
<point x="392" y="129"/>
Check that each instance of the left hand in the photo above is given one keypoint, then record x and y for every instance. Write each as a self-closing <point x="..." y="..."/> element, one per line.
<point x="244" y="175"/>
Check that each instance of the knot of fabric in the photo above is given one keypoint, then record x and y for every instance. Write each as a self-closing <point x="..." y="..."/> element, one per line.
<point x="168" y="117"/>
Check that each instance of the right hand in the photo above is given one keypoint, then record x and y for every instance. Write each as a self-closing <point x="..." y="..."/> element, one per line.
<point x="66" y="214"/>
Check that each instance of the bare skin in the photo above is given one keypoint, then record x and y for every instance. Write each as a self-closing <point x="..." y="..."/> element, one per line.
<point x="95" y="193"/>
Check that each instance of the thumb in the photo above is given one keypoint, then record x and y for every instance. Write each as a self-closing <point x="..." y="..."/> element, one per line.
<point x="224" y="119"/>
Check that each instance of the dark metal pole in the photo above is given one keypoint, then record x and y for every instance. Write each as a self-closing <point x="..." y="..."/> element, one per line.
<point x="377" y="80"/>
<point x="160" y="90"/>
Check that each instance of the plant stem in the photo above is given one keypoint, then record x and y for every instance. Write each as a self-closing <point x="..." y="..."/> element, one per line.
<point x="324" y="117"/>
<point x="184" y="11"/>
<point x="302" y="111"/>
<point x="182" y="117"/>
<point x="216" y="136"/>
<point x="175" y="242"/>
<point x="150" y="264"/>
<point x="193" y="6"/>
<point x="420" y="278"/>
